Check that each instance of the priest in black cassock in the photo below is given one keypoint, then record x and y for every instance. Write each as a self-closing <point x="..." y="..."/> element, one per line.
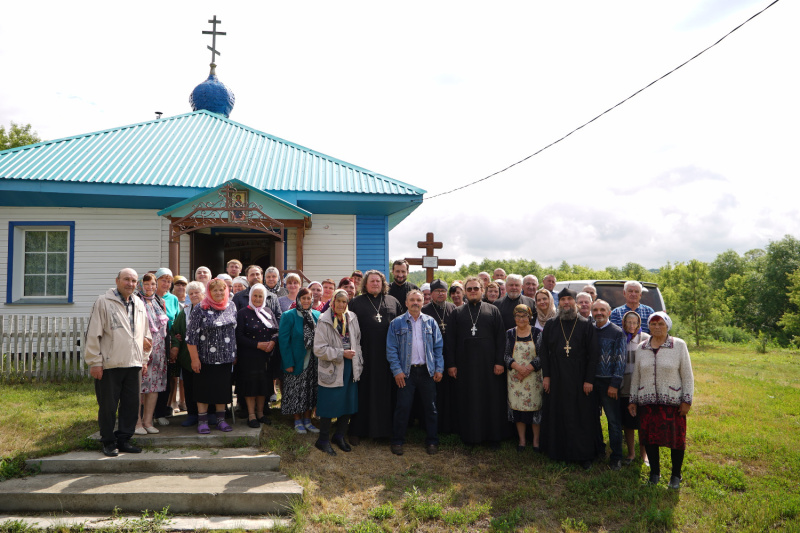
<point x="569" y="352"/>
<point x="475" y="343"/>
<point x="375" y="310"/>
<point x="440" y="309"/>
<point x="512" y="299"/>
<point x="400" y="287"/>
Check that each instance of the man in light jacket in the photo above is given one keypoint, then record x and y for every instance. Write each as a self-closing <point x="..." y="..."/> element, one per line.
<point x="117" y="348"/>
<point x="414" y="350"/>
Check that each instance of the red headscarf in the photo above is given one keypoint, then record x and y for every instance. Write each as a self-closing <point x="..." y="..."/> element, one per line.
<point x="208" y="301"/>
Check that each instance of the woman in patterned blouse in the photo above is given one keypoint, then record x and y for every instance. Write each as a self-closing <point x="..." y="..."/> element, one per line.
<point x="211" y="341"/>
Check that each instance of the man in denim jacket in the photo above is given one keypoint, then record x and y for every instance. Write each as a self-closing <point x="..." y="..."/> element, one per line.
<point x="414" y="350"/>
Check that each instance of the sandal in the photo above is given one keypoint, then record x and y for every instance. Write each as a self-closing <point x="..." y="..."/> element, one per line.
<point x="203" y="428"/>
<point x="224" y="426"/>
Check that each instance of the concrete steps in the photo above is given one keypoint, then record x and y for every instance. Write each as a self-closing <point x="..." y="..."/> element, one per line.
<point x="204" y="460"/>
<point x="255" y="493"/>
<point x="197" y="479"/>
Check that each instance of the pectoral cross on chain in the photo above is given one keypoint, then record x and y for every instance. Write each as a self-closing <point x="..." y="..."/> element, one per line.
<point x="567" y="348"/>
<point x="442" y="326"/>
<point x="473" y="329"/>
<point x="378" y="316"/>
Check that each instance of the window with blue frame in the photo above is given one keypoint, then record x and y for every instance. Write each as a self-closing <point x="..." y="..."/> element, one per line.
<point x="40" y="262"/>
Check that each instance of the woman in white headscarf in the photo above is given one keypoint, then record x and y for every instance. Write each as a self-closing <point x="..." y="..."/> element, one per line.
<point x="256" y="338"/>
<point x="662" y="388"/>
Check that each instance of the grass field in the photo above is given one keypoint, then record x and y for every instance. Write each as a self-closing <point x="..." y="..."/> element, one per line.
<point x="742" y="468"/>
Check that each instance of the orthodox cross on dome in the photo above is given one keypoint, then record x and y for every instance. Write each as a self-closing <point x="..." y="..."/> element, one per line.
<point x="429" y="261"/>
<point x="213" y="33"/>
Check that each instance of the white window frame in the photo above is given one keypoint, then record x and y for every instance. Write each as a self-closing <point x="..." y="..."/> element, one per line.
<point x="16" y="261"/>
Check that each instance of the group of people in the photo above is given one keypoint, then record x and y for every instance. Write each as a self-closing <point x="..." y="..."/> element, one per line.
<point x="372" y="354"/>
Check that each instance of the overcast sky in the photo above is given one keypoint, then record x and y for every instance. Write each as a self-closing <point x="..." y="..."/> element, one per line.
<point x="438" y="94"/>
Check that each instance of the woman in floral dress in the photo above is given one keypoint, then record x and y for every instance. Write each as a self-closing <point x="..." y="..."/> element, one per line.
<point x="154" y="379"/>
<point x="524" y="376"/>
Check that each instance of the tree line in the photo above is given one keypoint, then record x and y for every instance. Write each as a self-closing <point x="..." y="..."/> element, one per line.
<point x="734" y="298"/>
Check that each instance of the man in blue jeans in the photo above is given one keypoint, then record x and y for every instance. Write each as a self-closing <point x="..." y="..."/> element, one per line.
<point x="608" y="378"/>
<point x="414" y="350"/>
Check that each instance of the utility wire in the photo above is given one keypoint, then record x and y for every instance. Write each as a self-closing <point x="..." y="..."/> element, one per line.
<point x="540" y="150"/>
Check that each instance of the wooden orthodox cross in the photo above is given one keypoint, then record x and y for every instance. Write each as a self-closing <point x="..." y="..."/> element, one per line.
<point x="429" y="261"/>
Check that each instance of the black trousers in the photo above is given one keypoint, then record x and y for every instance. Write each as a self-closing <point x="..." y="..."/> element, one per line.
<point x="118" y="391"/>
<point x="187" y="376"/>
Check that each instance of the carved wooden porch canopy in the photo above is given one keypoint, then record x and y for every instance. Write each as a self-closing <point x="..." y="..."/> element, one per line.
<point x="227" y="212"/>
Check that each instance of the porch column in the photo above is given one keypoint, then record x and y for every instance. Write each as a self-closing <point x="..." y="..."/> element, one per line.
<point x="301" y="232"/>
<point x="175" y="252"/>
<point x="279" y="255"/>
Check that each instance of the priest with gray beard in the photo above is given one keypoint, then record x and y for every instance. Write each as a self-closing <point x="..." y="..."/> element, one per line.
<point x="512" y="299"/>
<point x="569" y="353"/>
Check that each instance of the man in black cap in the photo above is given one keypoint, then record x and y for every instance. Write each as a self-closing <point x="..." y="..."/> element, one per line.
<point x="569" y="354"/>
<point x="440" y="309"/>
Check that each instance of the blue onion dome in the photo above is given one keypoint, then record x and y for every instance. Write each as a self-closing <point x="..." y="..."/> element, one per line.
<point x="212" y="95"/>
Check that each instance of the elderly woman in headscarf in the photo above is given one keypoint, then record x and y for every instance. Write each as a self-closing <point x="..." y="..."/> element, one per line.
<point x="632" y="326"/>
<point x="545" y="308"/>
<point x="239" y="284"/>
<point x="256" y="338"/>
<point x="211" y="341"/>
<point x="154" y="378"/>
<point x="228" y="281"/>
<point x="195" y="291"/>
<point x="167" y="402"/>
<point x="296" y="340"/>
<point x="662" y="387"/>
<point x="337" y="345"/>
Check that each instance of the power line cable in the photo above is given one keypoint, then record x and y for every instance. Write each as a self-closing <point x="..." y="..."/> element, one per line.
<point x="540" y="150"/>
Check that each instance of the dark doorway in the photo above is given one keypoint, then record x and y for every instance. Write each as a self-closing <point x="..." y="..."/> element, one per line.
<point x="215" y="250"/>
<point x="208" y="251"/>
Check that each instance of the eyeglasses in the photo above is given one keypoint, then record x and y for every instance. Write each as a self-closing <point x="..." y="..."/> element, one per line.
<point x="472" y="289"/>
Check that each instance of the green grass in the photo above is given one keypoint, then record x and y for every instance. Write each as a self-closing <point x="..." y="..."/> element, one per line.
<point x="741" y="473"/>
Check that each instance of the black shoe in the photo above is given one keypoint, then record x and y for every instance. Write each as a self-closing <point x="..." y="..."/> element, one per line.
<point x="397" y="449"/>
<point x="254" y="423"/>
<point x="432" y="449"/>
<point x="615" y="465"/>
<point x="586" y="465"/>
<point x="654" y="478"/>
<point x="127" y="447"/>
<point x="326" y="447"/>
<point x="674" y="483"/>
<point x="341" y="443"/>
<point x="520" y="448"/>
<point x="110" y="449"/>
<point x="537" y="449"/>
<point x="265" y="420"/>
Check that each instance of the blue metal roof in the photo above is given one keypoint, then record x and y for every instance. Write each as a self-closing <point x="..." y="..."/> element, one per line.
<point x="199" y="150"/>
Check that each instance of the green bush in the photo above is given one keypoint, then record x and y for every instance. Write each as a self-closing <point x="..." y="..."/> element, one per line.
<point x="733" y="335"/>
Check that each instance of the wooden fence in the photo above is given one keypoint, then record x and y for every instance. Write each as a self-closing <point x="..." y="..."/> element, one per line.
<point x="42" y="347"/>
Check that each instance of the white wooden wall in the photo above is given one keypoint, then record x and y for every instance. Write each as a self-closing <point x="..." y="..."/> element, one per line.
<point x="106" y="240"/>
<point x="329" y="247"/>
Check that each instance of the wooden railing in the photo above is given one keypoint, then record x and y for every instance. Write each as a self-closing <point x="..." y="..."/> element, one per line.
<point x="42" y="347"/>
